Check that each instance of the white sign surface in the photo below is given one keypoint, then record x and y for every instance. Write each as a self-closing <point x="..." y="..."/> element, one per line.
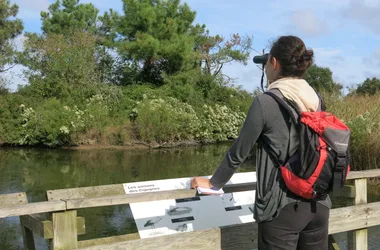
<point x="172" y="216"/>
<point x="180" y="183"/>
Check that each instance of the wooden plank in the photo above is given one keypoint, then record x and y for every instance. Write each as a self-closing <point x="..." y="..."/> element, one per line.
<point x="199" y="240"/>
<point x="244" y="236"/>
<point x="85" y="192"/>
<point x="363" y="174"/>
<point x="44" y="228"/>
<point x="333" y="245"/>
<point x="32" y="208"/>
<point x="65" y="230"/>
<point x="346" y="191"/>
<point x="232" y="188"/>
<point x="354" y="217"/>
<point x="361" y="238"/>
<point x="13" y="199"/>
<point x="107" y="240"/>
<point x="118" y="189"/>
<point x="81" y="226"/>
<point x="28" y="238"/>
<point x="128" y="198"/>
<point x="38" y="225"/>
<point x="360" y="191"/>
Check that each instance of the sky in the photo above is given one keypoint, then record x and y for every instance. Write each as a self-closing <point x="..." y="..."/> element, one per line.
<point x="344" y="34"/>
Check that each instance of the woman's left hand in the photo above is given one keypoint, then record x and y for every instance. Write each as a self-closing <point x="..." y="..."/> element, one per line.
<point x="201" y="182"/>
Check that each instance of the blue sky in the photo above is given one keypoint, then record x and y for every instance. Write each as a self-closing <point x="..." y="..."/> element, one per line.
<point x="344" y="34"/>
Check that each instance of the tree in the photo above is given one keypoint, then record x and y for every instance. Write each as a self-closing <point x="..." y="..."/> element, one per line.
<point x="69" y="16"/>
<point x="9" y="29"/>
<point x="321" y="79"/>
<point x="368" y="87"/>
<point x="216" y="51"/>
<point x="155" y="35"/>
<point x="58" y="63"/>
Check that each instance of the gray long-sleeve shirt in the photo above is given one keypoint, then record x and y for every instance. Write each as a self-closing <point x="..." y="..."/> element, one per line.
<point x="269" y="125"/>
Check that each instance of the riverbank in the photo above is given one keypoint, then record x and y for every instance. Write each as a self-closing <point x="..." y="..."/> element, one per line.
<point x="140" y="117"/>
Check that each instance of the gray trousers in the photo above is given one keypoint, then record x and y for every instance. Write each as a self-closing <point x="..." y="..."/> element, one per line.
<point x="299" y="226"/>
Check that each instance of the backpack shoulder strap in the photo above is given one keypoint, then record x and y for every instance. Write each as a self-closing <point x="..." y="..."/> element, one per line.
<point x="280" y="99"/>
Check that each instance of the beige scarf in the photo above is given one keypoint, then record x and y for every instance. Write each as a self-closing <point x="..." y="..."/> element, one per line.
<point x="299" y="91"/>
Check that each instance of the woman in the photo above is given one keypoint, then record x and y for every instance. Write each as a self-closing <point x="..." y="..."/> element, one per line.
<point x="285" y="221"/>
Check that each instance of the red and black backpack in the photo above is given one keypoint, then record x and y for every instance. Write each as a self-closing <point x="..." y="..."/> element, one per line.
<point x="320" y="162"/>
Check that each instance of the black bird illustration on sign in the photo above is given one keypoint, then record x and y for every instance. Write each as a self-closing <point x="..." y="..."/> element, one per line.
<point x="152" y="222"/>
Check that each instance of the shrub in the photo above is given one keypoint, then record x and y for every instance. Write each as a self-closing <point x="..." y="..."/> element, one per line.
<point x="163" y="120"/>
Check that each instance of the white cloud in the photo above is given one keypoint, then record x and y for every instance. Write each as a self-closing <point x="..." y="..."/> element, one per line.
<point x="339" y="58"/>
<point x="377" y="53"/>
<point x="325" y="52"/>
<point x="365" y="13"/>
<point x="308" y="23"/>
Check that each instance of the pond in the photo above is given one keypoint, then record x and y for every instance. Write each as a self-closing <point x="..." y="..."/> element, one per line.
<point x="35" y="171"/>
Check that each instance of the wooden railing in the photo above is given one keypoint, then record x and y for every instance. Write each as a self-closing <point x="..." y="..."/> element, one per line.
<point x="62" y="226"/>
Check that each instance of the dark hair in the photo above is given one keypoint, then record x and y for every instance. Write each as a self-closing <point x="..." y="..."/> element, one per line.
<point x="292" y="55"/>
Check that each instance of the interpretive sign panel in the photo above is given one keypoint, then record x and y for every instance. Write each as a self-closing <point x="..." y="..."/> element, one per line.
<point x="172" y="216"/>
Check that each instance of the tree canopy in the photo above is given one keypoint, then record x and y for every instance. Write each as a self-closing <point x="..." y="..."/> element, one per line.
<point x="370" y="86"/>
<point x="321" y="79"/>
<point x="10" y="28"/>
<point x="67" y="16"/>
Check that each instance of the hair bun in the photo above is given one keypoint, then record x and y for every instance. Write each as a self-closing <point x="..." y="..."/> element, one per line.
<point x="308" y="55"/>
<point x="306" y="59"/>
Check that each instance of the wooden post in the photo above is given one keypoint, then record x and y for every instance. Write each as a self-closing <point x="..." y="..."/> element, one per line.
<point x="28" y="238"/>
<point x="361" y="198"/>
<point x="65" y="230"/>
<point x="358" y="240"/>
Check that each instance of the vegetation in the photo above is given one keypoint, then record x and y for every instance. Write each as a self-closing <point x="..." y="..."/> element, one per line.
<point x="147" y="75"/>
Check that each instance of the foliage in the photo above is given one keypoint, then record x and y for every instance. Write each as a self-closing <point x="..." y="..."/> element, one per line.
<point x="215" y="51"/>
<point x="362" y="115"/>
<point x="155" y="34"/>
<point x="220" y="123"/>
<point x="163" y="120"/>
<point x="368" y="87"/>
<point x="168" y="119"/>
<point x="321" y="79"/>
<point x="10" y="28"/>
<point x="68" y="16"/>
<point x="60" y="65"/>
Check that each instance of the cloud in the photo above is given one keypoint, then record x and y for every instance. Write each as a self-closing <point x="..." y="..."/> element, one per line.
<point x="308" y="23"/>
<point x="339" y="58"/>
<point x="365" y="13"/>
<point x="373" y="60"/>
<point x="327" y="52"/>
<point x="377" y="53"/>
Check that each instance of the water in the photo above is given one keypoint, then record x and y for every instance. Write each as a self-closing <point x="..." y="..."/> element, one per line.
<point x="35" y="171"/>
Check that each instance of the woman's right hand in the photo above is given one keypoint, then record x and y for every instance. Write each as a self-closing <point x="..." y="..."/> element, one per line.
<point x="201" y="182"/>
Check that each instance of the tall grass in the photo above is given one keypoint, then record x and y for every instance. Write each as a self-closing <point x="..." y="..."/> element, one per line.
<point x="362" y="115"/>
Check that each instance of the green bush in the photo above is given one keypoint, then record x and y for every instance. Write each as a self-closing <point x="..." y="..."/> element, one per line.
<point x="163" y="120"/>
<point x="50" y="124"/>
<point x="220" y="123"/>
